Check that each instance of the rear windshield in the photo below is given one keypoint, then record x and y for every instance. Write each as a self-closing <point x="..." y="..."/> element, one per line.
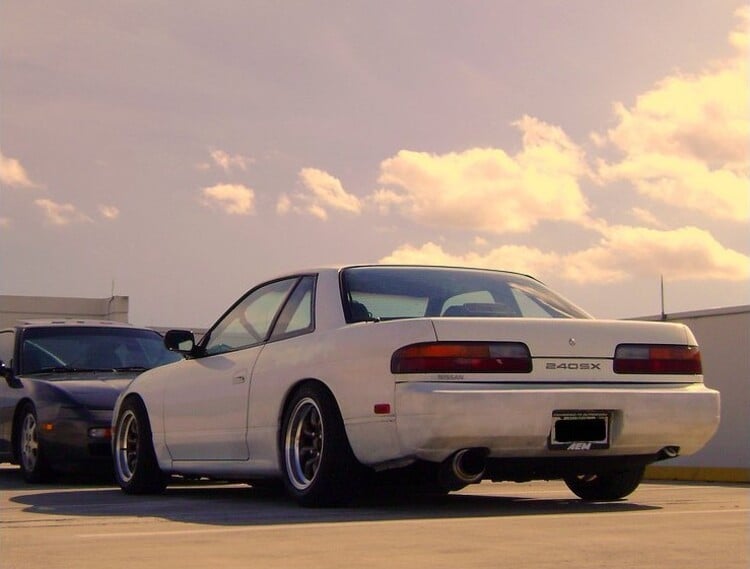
<point x="63" y="349"/>
<point x="382" y="292"/>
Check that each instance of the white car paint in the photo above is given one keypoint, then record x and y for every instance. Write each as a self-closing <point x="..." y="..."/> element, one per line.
<point x="220" y="415"/>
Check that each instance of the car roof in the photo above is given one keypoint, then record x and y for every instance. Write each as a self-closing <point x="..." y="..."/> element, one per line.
<point x="339" y="268"/>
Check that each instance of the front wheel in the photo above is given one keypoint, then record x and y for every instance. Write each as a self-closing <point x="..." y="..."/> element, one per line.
<point x="318" y="464"/>
<point x="605" y="487"/>
<point x="136" y="468"/>
<point x="29" y="449"/>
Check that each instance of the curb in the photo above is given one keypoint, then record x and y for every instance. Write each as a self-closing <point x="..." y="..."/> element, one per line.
<point x="697" y="474"/>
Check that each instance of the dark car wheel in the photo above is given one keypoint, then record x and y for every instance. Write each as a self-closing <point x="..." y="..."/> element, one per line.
<point x="136" y="468"/>
<point x="29" y="449"/>
<point x="319" y="467"/>
<point x="605" y="487"/>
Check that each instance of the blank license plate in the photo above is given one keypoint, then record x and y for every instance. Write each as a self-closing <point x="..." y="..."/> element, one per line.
<point x="580" y="430"/>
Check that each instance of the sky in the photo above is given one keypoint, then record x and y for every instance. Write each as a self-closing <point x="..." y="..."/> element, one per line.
<point x="179" y="153"/>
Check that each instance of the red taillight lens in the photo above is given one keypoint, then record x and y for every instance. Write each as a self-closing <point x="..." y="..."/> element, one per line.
<point x="658" y="359"/>
<point x="462" y="357"/>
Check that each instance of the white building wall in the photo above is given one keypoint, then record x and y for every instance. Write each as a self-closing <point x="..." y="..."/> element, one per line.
<point x="14" y="308"/>
<point x="724" y="339"/>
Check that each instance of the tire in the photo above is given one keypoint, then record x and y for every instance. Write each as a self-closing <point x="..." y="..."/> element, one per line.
<point x="605" y="487"/>
<point x="29" y="449"/>
<point x="318" y="465"/>
<point x="136" y="468"/>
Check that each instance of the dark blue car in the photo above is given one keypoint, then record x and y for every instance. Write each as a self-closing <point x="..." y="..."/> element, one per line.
<point x="60" y="380"/>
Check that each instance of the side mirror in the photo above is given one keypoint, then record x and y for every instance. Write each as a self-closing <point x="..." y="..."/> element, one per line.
<point x="182" y="341"/>
<point x="6" y="372"/>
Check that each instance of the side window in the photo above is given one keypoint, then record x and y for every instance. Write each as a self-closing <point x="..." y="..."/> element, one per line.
<point x="297" y="315"/>
<point x="7" y="339"/>
<point x="249" y="322"/>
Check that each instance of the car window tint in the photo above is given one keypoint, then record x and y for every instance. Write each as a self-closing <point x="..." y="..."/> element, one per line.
<point x="481" y="296"/>
<point x="57" y="348"/>
<point x="390" y="305"/>
<point x="387" y="292"/>
<point x="297" y="315"/>
<point x="249" y="322"/>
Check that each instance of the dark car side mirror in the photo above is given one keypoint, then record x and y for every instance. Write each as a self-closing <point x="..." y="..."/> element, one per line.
<point x="7" y="373"/>
<point x="182" y="341"/>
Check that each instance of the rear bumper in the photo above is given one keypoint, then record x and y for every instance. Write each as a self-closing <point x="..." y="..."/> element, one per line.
<point x="434" y="420"/>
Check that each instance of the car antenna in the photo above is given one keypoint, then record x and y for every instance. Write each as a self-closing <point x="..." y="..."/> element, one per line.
<point x="663" y="314"/>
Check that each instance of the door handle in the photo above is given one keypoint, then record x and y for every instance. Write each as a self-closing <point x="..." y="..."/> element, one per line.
<point x="236" y="380"/>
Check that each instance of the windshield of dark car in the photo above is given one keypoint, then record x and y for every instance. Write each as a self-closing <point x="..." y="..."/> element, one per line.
<point x="383" y="292"/>
<point x="60" y="349"/>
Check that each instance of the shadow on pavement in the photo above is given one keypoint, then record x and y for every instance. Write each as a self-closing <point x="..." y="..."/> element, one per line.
<point x="241" y="505"/>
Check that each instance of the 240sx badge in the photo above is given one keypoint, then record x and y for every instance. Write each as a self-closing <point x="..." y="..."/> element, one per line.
<point x="574" y="365"/>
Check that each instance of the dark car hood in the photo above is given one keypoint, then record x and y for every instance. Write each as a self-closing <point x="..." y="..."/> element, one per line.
<point x="89" y="390"/>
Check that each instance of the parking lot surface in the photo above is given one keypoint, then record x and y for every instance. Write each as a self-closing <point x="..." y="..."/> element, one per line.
<point x="91" y="524"/>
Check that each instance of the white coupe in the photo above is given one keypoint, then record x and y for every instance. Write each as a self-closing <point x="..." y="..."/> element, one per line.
<point x="444" y="376"/>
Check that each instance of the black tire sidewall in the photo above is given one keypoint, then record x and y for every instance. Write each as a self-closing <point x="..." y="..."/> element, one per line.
<point x="335" y="482"/>
<point x="608" y="486"/>
<point x="147" y="477"/>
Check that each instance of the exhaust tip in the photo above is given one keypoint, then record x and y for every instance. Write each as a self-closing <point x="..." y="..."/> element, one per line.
<point x="465" y="466"/>
<point x="669" y="452"/>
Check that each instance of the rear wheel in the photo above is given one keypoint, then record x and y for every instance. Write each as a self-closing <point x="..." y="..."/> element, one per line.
<point x="29" y="449"/>
<point x="319" y="466"/>
<point x="136" y="468"/>
<point x="607" y="486"/>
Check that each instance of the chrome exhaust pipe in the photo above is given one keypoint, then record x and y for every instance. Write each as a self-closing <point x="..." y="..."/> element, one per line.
<point x="668" y="452"/>
<point x="465" y="466"/>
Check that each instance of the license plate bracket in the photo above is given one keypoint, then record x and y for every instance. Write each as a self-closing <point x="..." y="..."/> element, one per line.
<point x="580" y="430"/>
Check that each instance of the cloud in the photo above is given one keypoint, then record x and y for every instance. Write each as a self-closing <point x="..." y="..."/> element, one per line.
<point x="686" y="142"/>
<point x="230" y="198"/>
<point x="283" y="205"/>
<point x="13" y="174"/>
<point x="323" y="193"/>
<point x="687" y="253"/>
<point x="623" y="252"/>
<point x="4" y="222"/>
<point x="61" y="214"/>
<point x="486" y="189"/>
<point x="647" y="217"/>
<point x="226" y="161"/>
<point x="515" y="258"/>
<point x="109" y="212"/>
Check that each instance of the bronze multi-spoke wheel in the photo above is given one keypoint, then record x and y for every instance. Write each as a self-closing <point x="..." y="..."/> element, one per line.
<point x="319" y="466"/>
<point x="303" y="445"/>
<point x="126" y="446"/>
<point x="136" y="468"/>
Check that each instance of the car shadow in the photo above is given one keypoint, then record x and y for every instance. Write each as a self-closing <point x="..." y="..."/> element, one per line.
<point x="241" y="505"/>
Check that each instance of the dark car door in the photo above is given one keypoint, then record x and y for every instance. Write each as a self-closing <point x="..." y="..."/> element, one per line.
<point x="9" y="395"/>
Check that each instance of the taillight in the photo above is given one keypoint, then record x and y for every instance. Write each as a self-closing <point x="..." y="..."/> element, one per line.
<point x="664" y="359"/>
<point x="462" y="357"/>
